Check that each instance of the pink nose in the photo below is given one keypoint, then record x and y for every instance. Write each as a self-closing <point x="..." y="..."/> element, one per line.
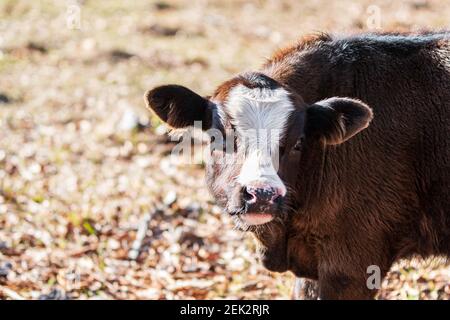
<point x="262" y="193"/>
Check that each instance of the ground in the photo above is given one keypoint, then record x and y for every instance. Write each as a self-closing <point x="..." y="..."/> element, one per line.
<point x="85" y="171"/>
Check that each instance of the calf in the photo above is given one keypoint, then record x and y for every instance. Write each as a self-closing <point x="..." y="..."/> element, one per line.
<point x="335" y="154"/>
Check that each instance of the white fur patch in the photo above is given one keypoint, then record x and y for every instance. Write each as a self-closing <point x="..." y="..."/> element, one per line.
<point x="260" y="117"/>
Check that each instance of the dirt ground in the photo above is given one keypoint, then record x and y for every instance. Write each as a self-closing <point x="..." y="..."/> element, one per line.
<point x="83" y="166"/>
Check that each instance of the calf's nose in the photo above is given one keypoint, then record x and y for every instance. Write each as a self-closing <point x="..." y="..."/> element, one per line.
<point x="261" y="194"/>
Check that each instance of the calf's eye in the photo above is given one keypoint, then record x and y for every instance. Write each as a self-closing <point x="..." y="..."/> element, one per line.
<point x="298" y="145"/>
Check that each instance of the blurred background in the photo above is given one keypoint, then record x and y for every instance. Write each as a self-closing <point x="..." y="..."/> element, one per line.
<point x="90" y="204"/>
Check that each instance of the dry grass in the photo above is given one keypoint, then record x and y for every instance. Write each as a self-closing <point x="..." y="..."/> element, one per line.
<point x="76" y="179"/>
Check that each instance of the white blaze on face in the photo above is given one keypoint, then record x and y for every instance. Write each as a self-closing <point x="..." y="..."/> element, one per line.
<point x="260" y="117"/>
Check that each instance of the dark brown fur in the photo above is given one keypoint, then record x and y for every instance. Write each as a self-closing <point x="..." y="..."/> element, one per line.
<point x="384" y="194"/>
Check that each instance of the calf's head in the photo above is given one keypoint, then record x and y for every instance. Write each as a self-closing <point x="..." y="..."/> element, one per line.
<point x="257" y="127"/>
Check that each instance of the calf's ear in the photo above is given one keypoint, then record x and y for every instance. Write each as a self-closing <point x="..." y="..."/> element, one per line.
<point x="178" y="106"/>
<point x="336" y="120"/>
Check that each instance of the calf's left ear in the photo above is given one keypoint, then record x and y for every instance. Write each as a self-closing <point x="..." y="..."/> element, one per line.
<point x="336" y="120"/>
<point x="179" y="106"/>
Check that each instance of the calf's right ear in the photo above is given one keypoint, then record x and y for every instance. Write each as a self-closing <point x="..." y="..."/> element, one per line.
<point x="178" y="106"/>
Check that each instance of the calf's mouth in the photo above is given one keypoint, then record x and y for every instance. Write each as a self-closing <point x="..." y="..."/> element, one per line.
<point x="256" y="218"/>
<point x="254" y="215"/>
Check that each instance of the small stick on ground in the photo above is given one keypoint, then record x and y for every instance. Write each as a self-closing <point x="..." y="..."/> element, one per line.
<point x="140" y="236"/>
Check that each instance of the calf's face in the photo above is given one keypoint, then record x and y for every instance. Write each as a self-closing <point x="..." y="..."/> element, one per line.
<point x="256" y="127"/>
